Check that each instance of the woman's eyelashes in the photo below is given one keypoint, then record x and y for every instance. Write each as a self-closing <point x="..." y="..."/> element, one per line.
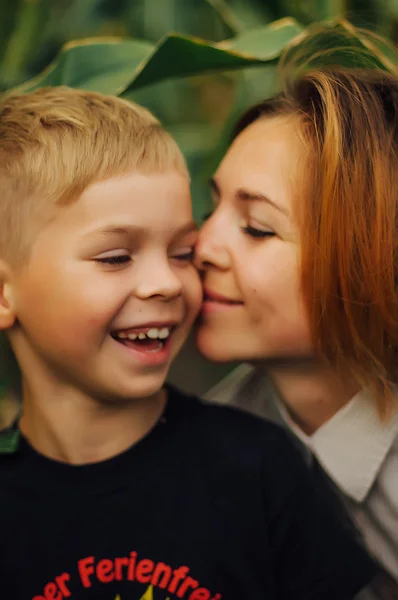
<point x="255" y="232"/>
<point x="246" y="227"/>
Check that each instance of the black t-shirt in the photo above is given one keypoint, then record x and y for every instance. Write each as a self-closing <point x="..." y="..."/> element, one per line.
<point x="212" y="504"/>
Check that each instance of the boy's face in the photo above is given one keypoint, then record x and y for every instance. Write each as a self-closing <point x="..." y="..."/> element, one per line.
<point x="110" y="292"/>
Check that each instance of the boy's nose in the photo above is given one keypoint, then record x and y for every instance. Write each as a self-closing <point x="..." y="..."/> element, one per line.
<point x="158" y="280"/>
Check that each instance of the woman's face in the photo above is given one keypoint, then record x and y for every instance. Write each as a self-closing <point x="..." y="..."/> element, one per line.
<point x="249" y="250"/>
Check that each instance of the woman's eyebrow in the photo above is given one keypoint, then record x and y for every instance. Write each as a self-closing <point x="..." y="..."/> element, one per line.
<point x="254" y="196"/>
<point x="246" y="195"/>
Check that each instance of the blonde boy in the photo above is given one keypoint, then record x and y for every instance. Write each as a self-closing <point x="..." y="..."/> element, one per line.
<point x="111" y="485"/>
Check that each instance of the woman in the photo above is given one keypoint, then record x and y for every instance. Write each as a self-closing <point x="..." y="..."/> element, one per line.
<point x="300" y="268"/>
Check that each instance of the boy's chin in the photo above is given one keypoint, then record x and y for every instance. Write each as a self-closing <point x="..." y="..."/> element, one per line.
<point x="143" y="387"/>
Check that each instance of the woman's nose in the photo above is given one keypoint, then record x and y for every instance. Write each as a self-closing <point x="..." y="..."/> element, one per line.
<point x="211" y="250"/>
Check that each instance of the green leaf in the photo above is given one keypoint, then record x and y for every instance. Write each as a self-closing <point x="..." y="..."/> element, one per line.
<point x="385" y="49"/>
<point x="227" y="15"/>
<point x="115" y="66"/>
<point x="10" y="376"/>
<point x="9" y="14"/>
<point x="9" y="441"/>
<point x="182" y="56"/>
<point x="24" y="38"/>
<point x="338" y="43"/>
<point x="265" y="43"/>
<point x="329" y="9"/>
<point x="100" y="64"/>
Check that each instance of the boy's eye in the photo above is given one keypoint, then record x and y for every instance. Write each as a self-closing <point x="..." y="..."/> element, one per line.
<point x="116" y="259"/>
<point x="186" y="256"/>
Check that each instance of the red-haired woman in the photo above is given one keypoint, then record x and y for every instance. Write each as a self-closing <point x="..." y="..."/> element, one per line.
<point x="300" y="263"/>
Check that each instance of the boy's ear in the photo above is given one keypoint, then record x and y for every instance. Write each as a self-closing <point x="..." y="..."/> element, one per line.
<point x="7" y="313"/>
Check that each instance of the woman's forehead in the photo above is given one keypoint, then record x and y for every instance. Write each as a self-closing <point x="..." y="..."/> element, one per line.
<point x="266" y="157"/>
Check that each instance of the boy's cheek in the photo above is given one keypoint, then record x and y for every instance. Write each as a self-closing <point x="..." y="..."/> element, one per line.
<point x="62" y="325"/>
<point x="82" y="330"/>
<point x="195" y="295"/>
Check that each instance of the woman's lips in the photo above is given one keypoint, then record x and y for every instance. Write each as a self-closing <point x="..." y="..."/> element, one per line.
<point x="211" y="296"/>
<point x="213" y="301"/>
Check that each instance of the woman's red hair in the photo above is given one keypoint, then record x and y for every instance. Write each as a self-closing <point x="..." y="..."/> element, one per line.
<point x="348" y="218"/>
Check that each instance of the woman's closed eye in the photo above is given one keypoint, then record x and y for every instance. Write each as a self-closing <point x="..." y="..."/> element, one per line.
<point x="256" y="232"/>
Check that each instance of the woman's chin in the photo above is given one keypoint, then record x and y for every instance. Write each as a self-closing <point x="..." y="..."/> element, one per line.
<point x="225" y="345"/>
<point x="215" y="349"/>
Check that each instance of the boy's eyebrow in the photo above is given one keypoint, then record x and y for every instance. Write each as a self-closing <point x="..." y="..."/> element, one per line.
<point x="128" y="230"/>
<point x="116" y="230"/>
<point x="108" y="230"/>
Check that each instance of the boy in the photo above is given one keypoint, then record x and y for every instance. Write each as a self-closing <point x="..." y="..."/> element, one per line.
<point x="112" y="486"/>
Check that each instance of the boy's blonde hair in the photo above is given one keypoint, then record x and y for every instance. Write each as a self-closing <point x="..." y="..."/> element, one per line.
<point x="55" y="142"/>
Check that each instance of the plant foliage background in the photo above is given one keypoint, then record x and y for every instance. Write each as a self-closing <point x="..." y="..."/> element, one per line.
<point x="195" y="109"/>
<point x="195" y="63"/>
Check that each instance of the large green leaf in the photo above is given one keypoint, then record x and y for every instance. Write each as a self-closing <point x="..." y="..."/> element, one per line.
<point x="103" y="65"/>
<point x="115" y="66"/>
<point x="338" y="43"/>
<point x="181" y="56"/>
<point x="226" y="15"/>
<point x="265" y="43"/>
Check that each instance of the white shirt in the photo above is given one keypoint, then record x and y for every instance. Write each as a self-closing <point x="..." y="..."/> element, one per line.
<point x="356" y="450"/>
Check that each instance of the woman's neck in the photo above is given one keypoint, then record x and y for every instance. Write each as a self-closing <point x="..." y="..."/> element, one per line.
<point x="312" y="394"/>
<point x="72" y="428"/>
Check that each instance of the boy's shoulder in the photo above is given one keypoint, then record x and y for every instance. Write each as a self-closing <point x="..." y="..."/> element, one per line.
<point x="236" y="435"/>
<point x="224" y="424"/>
<point x="226" y="439"/>
<point x="223" y="420"/>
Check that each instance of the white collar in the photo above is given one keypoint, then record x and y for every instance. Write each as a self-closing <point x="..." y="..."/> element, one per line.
<point x="352" y="445"/>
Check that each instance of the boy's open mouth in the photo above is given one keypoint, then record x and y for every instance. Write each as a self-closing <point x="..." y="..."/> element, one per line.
<point x="144" y="339"/>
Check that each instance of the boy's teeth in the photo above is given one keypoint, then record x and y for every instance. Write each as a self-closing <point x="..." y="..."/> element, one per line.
<point x="153" y="334"/>
<point x="160" y="334"/>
